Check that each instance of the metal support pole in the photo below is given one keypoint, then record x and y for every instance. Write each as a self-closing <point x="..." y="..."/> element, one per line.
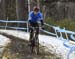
<point x="61" y="35"/>
<point x="27" y="27"/>
<point x="66" y="35"/>
<point x="6" y="24"/>
<point x="56" y="33"/>
<point x="28" y="13"/>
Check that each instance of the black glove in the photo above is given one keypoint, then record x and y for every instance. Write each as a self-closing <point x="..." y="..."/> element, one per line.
<point x="43" y="27"/>
<point x="42" y="23"/>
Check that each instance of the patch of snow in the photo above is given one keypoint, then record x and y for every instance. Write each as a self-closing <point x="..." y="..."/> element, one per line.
<point x="4" y="40"/>
<point x="52" y="44"/>
<point x="3" y="43"/>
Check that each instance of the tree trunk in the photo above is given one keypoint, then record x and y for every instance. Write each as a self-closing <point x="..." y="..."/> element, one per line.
<point x="38" y="3"/>
<point x="3" y="9"/>
<point x="17" y="10"/>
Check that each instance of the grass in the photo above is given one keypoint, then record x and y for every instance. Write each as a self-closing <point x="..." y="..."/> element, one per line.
<point x="67" y="23"/>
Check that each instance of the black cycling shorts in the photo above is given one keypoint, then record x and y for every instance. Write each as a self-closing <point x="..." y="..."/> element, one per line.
<point x="34" y="24"/>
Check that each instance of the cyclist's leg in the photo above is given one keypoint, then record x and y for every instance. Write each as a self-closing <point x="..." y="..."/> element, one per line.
<point x="31" y="31"/>
<point x="37" y="33"/>
<point x="31" y="40"/>
<point x="31" y="34"/>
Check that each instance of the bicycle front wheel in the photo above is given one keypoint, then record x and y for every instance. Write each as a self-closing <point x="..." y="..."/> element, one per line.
<point x="37" y="46"/>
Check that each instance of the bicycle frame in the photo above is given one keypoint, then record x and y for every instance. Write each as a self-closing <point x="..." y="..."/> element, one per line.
<point x="35" y="41"/>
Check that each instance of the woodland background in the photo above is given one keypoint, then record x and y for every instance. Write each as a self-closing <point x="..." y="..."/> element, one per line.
<point x="57" y="12"/>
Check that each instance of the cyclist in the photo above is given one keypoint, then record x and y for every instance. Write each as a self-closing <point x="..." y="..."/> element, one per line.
<point x="34" y="17"/>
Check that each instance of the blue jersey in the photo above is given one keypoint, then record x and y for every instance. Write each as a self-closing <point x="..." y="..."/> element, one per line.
<point x="34" y="18"/>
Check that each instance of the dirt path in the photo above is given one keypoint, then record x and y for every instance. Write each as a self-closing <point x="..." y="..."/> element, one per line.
<point x="19" y="49"/>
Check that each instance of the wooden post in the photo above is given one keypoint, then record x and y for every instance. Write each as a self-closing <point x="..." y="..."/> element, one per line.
<point x="6" y="24"/>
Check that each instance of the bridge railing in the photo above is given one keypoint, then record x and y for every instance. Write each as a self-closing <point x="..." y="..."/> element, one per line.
<point x="21" y="28"/>
<point x="13" y="27"/>
<point x="57" y="29"/>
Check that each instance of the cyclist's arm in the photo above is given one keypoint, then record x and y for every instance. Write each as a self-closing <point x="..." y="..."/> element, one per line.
<point x="41" y="19"/>
<point x="42" y="23"/>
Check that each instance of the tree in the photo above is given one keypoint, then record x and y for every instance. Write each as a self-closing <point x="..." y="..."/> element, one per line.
<point x="3" y="9"/>
<point x="17" y="10"/>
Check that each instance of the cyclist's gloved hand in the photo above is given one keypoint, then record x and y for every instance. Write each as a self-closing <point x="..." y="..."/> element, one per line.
<point x="43" y="27"/>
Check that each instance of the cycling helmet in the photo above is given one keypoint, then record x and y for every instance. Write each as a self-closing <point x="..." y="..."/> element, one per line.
<point x="35" y="8"/>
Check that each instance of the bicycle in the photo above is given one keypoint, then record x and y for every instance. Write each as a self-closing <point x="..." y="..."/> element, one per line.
<point x="34" y="47"/>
